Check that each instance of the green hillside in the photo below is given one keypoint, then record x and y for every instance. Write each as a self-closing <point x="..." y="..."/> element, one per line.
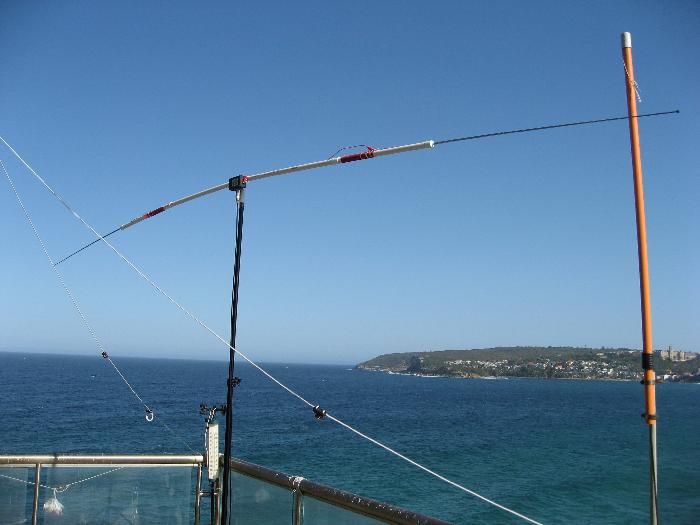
<point x="524" y="353"/>
<point x="555" y="362"/>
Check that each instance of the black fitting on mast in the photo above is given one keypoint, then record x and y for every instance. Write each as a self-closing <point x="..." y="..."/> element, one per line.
<point x="237" y="183"/>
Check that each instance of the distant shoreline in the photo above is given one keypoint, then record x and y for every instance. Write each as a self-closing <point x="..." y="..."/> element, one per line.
<point x="502" y="378"/>
<point x="533" y="362"/>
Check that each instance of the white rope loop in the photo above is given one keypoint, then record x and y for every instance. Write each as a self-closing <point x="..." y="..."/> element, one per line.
<point x="255" y="365"/>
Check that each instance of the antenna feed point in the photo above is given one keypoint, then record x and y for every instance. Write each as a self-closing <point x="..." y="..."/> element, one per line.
<point x="237" y="183"/>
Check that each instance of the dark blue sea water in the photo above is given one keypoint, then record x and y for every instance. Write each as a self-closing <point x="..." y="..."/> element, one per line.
<point x="558" y="451"/>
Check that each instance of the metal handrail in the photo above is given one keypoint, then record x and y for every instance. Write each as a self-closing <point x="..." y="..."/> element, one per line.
<point x="299" y="486"/>
<point x="98" y="460"/>
<point x="333" y="496"/>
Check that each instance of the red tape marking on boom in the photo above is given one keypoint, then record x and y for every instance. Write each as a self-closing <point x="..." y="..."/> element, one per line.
<point x="358" y="156"/>
<point x="153" y="212"/>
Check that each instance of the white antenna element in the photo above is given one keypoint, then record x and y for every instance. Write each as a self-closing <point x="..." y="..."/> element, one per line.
<point x="213" y="450"/>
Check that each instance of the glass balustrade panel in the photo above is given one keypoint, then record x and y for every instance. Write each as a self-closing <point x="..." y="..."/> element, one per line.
<point x="317" y="512"/>
<point x="16" y="494"/>
<point x="117" y="495"/>
<point x="254" y="502"/>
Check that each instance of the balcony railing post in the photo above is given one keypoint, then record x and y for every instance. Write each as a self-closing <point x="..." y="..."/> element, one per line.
<point x="35" y="504"/>
<point x="216" y="502"/>
<point x="297" y="518"/>
<point x="198" y="495"/>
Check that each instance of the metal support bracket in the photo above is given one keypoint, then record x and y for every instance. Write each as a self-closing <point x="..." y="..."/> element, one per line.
<point x="210" y="411"/>
<point x="237" y="183"/>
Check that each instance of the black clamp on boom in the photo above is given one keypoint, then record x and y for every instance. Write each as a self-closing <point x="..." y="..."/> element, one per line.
<point x="648" y="361"/>
<point x="234" y="382"/>
<point x="237" y="183"/>
<point x="319" y="413"/>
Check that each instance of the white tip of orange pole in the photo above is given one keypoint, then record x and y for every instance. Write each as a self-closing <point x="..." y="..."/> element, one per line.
<point x="626" y="39"/>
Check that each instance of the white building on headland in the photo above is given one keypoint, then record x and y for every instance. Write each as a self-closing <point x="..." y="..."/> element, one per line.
<point x="677" y="355"/>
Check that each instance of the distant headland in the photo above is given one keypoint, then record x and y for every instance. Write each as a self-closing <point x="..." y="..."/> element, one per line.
<point x="549" y="362"/>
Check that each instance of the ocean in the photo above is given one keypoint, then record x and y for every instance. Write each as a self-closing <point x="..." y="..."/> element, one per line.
<point x="557" y="451"/>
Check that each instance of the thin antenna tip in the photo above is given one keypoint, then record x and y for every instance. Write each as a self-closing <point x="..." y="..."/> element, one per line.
<point x="626" y="39"/>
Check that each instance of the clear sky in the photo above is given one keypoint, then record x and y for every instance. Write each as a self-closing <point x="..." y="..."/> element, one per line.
<point x="520" y="240"/>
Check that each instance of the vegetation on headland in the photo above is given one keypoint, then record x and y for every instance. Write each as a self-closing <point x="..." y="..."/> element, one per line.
<point x="534" y="361"/>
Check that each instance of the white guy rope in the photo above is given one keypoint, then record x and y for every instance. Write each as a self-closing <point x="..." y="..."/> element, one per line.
<point x="431" y="472"/>
<point x="83" y="318"/>
<point x="251" y="362"/>
<point x="148" y="409"/>
<point x="62" y="488"/>
<point x="148" y="279"/>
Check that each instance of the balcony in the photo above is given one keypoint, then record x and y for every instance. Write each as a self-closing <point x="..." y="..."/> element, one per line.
<point x="162" y="489"/>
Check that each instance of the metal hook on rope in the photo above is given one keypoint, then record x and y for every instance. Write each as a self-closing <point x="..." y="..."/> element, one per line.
<point x="149" y="415"/>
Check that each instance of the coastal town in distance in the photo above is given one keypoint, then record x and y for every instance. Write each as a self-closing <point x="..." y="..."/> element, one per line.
<point x="622" y="364"/>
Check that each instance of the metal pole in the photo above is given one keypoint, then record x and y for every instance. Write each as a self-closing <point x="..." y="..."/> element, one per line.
<point x="648" y="350"/>
<point x="215" y="500"/>
<point x="35" y="504"/>
<point x="212" y="503"/>
<point x="232" y="353"/>
<point x="198" y="496"/>
<point x="298" y="511"/>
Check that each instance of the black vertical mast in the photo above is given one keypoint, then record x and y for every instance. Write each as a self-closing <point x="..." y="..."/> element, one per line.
<point x="236" y="184"/>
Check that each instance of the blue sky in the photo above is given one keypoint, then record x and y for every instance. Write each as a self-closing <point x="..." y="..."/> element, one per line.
<point x="521" y="240"/>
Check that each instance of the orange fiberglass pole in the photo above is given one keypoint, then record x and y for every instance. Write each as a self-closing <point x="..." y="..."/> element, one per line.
<point x="648" y="350"/>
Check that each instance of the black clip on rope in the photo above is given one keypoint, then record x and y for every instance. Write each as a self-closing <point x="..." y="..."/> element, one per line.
<point x="319" y="413"/>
